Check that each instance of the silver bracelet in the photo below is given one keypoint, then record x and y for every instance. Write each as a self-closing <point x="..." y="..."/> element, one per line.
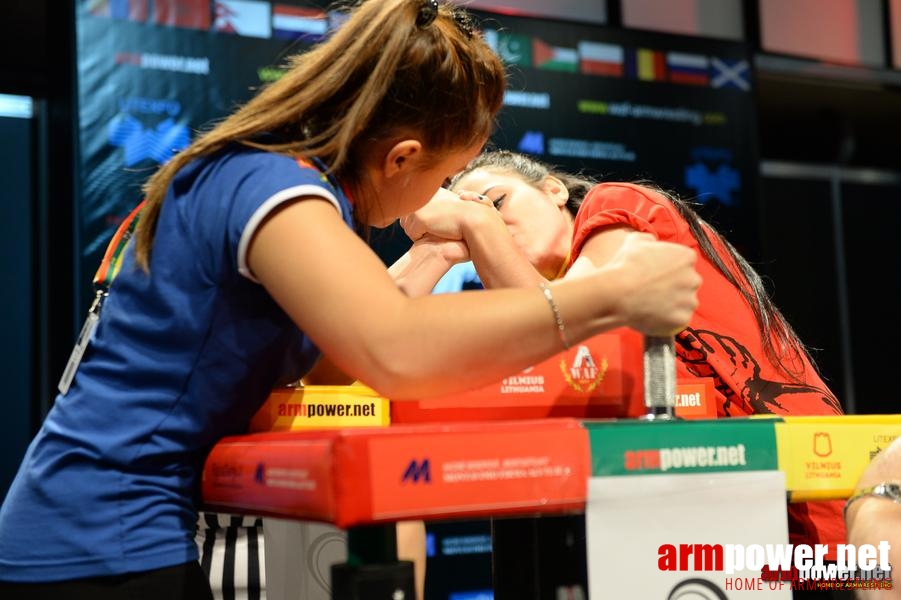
<point x="558" y="320"/>
<point x="890" y="490"/>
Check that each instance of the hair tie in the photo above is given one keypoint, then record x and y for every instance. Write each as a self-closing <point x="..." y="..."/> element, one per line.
<point x="428" y="12"/>
<point x="464" y="21"/>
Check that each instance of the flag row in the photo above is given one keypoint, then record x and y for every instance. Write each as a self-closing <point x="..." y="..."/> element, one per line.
<point x="614" y="60"/>
<point x="256" y="18"/>
<point x="253" y="18"/>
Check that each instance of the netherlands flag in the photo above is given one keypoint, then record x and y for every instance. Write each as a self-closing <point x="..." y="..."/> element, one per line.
<point x="692" y="69"/>
<point x="601" y="59"/>
<point x="298" y="23"/>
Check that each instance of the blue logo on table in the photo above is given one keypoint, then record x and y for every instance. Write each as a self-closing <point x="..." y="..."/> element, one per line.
<point x="418" y="470"/>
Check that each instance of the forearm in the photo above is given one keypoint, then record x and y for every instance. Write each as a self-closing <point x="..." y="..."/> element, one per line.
<point x="498" y="260"/>
<point x="425" y="354"/>
<point x="486" y="238"/>
<point x="419" y="269"/>
<point x="411" y="545"/>
<point x="407" y="347"/>
<point x="415" y="350"/>
<point x="325" y="372"/>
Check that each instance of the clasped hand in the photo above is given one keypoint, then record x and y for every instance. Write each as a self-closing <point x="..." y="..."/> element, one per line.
<point x="445" y="216"/>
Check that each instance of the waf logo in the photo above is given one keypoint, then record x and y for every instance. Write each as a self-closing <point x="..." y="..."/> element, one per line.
<point x="822" y="443"/>
<point x="713" y="175"/>
<point x="532" y="142"/>
<point x="148" y="129"/>
<point x="584" y="374"/>
<point x="417" y="470"/>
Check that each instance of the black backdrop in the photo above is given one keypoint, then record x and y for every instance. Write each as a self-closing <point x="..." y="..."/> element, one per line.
<point x="610" y="103"/>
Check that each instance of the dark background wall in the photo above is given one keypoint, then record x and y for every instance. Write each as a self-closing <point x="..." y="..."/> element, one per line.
<point x="17" y="291"/>
<point x="37" y="60"/>
<point x="25" y="47"/>
<point x="829" y="194"/>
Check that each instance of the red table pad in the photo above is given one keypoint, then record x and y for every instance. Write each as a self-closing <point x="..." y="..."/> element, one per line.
<point x="365" y="475"/>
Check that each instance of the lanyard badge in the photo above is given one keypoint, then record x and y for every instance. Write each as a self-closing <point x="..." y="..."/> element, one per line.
<point x="109" y="268"/>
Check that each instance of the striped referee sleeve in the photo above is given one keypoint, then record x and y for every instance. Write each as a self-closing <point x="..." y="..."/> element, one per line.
<point x="232" y="555"/>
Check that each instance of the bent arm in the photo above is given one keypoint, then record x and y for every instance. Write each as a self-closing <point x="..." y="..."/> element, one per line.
<point x="495" y="254"/>
<point x="338" y="291"/>
<point x="599" y="249"/>
<point x="479" y="226"/>
<point x="427" y="260"/>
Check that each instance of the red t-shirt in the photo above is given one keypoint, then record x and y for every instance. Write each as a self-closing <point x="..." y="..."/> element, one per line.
<point x="722" y="341"/>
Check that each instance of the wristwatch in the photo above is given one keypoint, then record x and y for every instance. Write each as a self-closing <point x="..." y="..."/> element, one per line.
<point x="887" y="489"/>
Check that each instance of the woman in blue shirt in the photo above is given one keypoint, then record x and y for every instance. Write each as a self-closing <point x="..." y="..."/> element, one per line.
<point x="250" y="261"/>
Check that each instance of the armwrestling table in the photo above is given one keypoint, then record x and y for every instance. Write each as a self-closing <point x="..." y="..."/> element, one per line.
<point x="365" y="479"/>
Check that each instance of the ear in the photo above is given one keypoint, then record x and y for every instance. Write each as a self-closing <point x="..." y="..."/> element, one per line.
<point x="555" y="188"/>
<point x="401" y="157"/>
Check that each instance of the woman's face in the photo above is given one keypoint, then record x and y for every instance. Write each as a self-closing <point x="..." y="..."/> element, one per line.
<point x="409" y="192"/>
<point x="537" y="218"/>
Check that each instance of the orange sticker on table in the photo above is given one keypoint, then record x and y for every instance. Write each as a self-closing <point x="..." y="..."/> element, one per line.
<point x="694" y="399"/>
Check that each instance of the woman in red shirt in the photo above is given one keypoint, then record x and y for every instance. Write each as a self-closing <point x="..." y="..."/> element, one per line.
<point x="521" y="223"/>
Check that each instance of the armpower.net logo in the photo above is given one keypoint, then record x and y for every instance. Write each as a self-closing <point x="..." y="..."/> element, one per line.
<point x="689" y="457"/>
<point x="781" y="566"/>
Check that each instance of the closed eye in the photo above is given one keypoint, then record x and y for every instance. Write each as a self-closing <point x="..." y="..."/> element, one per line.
<point x="497" y="202"/>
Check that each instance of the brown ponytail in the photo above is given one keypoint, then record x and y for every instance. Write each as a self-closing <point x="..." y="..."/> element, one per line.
<point x="384" y="72"/>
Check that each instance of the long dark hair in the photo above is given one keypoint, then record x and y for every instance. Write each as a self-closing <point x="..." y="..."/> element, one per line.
<point x="781" y="343"/>
<point x="394" y="67"/>
<point x="531" y="171"/>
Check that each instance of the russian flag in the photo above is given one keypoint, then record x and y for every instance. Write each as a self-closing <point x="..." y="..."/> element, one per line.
<point x="692" y="69"/>
<point x="601" y="59"/>
<point x="299" y="23"/>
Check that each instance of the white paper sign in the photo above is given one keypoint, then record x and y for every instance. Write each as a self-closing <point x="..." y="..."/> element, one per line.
<point x="299" y="558"/>
<point x="634" y="524"/>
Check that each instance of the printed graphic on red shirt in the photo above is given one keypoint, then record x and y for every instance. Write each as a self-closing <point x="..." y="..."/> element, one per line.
<point x="739" y="379"/>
